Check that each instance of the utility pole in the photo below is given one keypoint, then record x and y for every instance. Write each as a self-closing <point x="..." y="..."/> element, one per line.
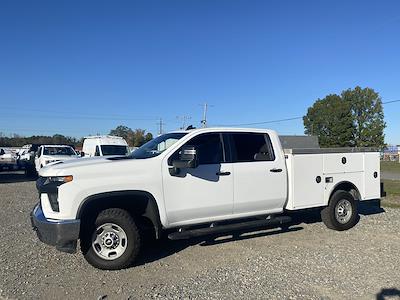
<point x="184" y="119"/>
<point x="204" y="120"/>
<point x="160" y="124"/>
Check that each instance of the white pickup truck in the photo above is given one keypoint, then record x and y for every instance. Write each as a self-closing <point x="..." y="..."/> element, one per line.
<point x="193" y="183"/>
<point x="47" y="154"/>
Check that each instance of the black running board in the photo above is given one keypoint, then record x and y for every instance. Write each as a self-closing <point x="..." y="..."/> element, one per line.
<point x="229" y="228"/>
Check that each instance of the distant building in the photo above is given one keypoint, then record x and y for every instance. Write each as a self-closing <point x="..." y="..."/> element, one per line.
<point x="391" y="153"/>
<point x="299" y="141"/>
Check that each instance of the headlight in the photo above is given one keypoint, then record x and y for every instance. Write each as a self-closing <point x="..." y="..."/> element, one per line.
<point x="62" y="179"/>
<point x="49" y="161"/>
<point x="49" y="185"/>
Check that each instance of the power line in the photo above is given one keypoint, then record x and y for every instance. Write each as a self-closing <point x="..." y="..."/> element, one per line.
<point x="184" y="120"/>
<point x="264" y="122"/>
<point x="392" y="101"/>
<point x="80" y="117"/>
<point x="73" y="115"/>
<point x="85" y="115"/>
<point x="15" y="130"/>
<point x="284" y="120"/>
<point x="160" y="124"/>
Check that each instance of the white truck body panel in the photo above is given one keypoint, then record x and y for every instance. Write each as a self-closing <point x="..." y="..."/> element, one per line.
<point x="123" y="175"/>
<point x="303" y="169"/>
<point x="200" y="196"/>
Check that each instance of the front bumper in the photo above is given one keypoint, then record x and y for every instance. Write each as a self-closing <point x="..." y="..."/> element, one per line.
<point x="63" y="234"/>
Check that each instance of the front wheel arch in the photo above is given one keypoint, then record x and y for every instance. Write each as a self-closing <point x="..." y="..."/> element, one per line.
<point x="104" y="251"/>
<point x="138" y="203"/>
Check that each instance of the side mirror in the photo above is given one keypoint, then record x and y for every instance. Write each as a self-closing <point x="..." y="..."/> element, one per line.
<point x="82" y="154"/>
<point x="187" y="159"/>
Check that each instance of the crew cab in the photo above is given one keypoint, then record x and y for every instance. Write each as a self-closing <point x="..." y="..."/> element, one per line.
<point x="47" y="154"/>
<point x="193" y="183"/>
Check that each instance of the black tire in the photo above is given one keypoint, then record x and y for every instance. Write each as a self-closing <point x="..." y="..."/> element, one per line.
<point x="125" y="221"/>
<point x="347" y="220"/>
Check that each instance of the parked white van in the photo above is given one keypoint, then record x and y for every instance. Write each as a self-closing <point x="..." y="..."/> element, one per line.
<point x="104" y="145"/>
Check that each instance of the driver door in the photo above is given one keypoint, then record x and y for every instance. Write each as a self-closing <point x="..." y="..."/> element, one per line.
<point x="200" y="194"/>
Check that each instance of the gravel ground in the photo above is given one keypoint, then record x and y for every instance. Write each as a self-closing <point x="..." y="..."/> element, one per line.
<point x="308" y="262"/>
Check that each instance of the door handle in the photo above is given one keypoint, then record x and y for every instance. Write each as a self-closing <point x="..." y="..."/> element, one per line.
<point x="223" y="173"/>
<point x="274" y="170"/>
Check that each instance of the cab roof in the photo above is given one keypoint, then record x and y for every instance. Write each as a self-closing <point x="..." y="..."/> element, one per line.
<point x="226" y="129"/>
<point x="103" y="137"/>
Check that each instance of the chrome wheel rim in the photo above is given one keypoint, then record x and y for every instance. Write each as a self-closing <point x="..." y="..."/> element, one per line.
<point x="109" y="241"/>
<point x="343" y="211"/>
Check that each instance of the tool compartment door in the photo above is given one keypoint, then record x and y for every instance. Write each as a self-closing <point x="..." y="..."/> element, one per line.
<point x="372" y="187"/>
<point x="306" y="181"/>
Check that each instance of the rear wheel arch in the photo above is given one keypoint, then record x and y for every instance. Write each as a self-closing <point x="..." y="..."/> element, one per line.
<point x="348" y="187"/>
<point x="140" y="204"/>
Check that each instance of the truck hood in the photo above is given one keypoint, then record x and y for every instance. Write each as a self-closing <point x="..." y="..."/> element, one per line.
<point x="59" y="157"/>
<point x="93" y="166"/>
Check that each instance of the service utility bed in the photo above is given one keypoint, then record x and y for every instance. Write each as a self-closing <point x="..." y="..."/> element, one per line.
<point x="314" y="173"/>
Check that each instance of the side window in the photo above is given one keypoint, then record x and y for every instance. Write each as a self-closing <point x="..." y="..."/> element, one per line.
<point x="97" y="153"/>
<point x="209" y="149"/>
<point x="39" y="152"/>
<point x="248" y="147"/>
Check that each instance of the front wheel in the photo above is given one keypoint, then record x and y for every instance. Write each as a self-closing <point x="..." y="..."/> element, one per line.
<point x="342" y="211"/>
<point x="113" y="241"/>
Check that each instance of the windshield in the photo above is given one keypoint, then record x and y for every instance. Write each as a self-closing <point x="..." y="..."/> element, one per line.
<point x="114" y="150"/>
<point x="157" y="146"/>
<point x="58" y="151"/>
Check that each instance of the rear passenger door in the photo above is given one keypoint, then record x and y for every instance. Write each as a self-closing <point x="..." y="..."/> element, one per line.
<point x="260" y="181"/>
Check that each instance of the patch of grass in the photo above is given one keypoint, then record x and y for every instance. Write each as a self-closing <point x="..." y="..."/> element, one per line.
<point x="392" y="188"/>
<point x="390" y="166"/>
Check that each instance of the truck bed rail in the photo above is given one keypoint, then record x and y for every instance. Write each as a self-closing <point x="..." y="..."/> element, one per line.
<point x="329" y="150"/>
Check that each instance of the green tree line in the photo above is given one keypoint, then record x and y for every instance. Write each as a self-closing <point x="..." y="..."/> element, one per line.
<point x="19" y="141"/>
<point x="134" y="138"/>
<point x="352" y="119"/>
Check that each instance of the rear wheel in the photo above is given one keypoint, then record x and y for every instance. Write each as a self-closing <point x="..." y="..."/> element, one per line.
<point x="113" y="241"/>
<point x="342" y="211"/>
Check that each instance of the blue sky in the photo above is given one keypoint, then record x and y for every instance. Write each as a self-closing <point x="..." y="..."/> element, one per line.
<point x="84" y="67"/>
